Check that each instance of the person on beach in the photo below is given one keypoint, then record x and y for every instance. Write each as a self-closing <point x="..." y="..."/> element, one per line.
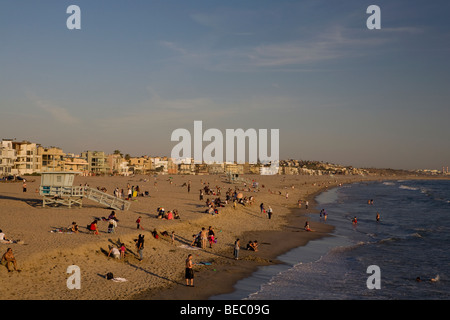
<point x="112" y="224"/>
<point x="236" y="249"/>
<point x="138" y="222"/>
<point x="93" y="227"/>
<point x="378" y="217"/>
<point x="354" y="220"/>
<point x="307" y="228"/>
<point x="114" y="252"/>
<point x="74" y="227"/>
<point x="269" y="212"/>
<point x="140" y="246"/>
<point x="203" y="238"/>
<point x="189" y="272"/>
<point x="173" y="237"/>
<point x="122" y="251"/>
<point x="211" y="236"/>
<point x="9" y="260"/>
<point x="3" y="238"/>
<point x="306" y="204"/>
<point x="252" y="245"/>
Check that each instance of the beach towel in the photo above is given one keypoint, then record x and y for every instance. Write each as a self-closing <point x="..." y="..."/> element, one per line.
<point x="185" y="246"/>
<point x="119" y="279"/>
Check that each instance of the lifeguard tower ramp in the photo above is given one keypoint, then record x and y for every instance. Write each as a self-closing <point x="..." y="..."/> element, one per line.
<point x="57" y="189"/>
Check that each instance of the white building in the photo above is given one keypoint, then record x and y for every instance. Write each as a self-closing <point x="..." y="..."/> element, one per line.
<point x="7" y="157"/>
<point x="27" y="161"/>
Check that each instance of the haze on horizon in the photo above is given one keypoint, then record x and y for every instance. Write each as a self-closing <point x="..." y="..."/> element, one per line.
<point x="136" y="71"/>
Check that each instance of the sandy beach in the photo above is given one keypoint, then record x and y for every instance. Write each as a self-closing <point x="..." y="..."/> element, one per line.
<point x="43" y="254"/>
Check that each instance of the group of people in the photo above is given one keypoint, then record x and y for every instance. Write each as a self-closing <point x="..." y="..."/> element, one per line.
<point x="203" y="237"/>
<point x="252" y="245"/>
<point x="263" y="210"/>
<point x="132" y="192"/>
<point x="93" y="226"/>
<point x="170" y="215"/>
<point x="117" y="252"/>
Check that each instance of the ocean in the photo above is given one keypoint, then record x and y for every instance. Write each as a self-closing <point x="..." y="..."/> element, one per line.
<point x="411" y="240"/>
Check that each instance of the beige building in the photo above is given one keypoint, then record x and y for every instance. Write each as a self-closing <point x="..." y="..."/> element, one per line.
<point x="52" y="159"/>
<point x="75" y="163"/>
<point x="141" y="165"/>
<point x="118" y="165"/>
<point x="234" y="168"/>
<point x="27" y="159"/>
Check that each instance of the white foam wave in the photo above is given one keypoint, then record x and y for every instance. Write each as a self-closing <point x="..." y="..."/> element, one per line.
<point x="408" y="188"/>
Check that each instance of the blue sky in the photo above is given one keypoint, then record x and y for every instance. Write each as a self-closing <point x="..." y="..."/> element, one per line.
<point x="138" y="70"/>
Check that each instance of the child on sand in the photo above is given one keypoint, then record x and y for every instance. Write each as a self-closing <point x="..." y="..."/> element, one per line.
<point x="138" y="221"/>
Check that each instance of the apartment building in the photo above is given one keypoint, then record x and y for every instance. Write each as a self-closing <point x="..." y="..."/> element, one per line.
<point x="7" y="157"/>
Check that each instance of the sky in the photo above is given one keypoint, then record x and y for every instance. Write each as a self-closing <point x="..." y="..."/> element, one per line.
<point x="137" y="70"/>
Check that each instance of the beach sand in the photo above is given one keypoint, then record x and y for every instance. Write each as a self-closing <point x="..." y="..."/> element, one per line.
<point x="44" y="256"/>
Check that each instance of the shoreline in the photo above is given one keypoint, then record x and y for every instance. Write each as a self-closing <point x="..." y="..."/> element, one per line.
<point x="234" y="272"/>
<point x="246" y="268"/>
<point x="44" y="255"/>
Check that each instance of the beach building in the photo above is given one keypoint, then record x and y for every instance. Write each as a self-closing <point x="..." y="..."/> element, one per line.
<point x="216" y="168"/>
<point x="97" y="162"/>
<point x="27" y="159"/>
<point x="118" y="165"/>
<point x="234" y="168"/>
<point x="7" y="157"/>
<point x="52" y="159"/>
<point x="160" y="164"/>
<point x="186" y="168"/>
<point x="172" y="167"/>
<point x="201" y="169"/>
<point x="140" y="165"/>
<point x="75" y="163"/>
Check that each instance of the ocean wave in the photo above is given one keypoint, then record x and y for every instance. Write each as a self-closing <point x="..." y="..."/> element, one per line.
<point x="388" y="183"/>
<point x="390" y="239"/>
<point x="408" y="188"/>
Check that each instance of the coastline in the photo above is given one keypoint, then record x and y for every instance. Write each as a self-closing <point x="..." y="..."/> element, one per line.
<point x="44" y="256"/>
<point x="291" y="236"/>
<point x="231" y="274"/>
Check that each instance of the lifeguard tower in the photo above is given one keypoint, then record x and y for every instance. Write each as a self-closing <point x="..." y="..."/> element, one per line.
<point x="57" y="189"/>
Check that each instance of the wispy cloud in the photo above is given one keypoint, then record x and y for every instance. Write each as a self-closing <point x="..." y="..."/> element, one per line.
<point x="59" y="114"/>
<point x="333" y="44"/>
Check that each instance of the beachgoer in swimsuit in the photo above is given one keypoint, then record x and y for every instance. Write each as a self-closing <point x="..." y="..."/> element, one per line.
<point x="189" y="272"/>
